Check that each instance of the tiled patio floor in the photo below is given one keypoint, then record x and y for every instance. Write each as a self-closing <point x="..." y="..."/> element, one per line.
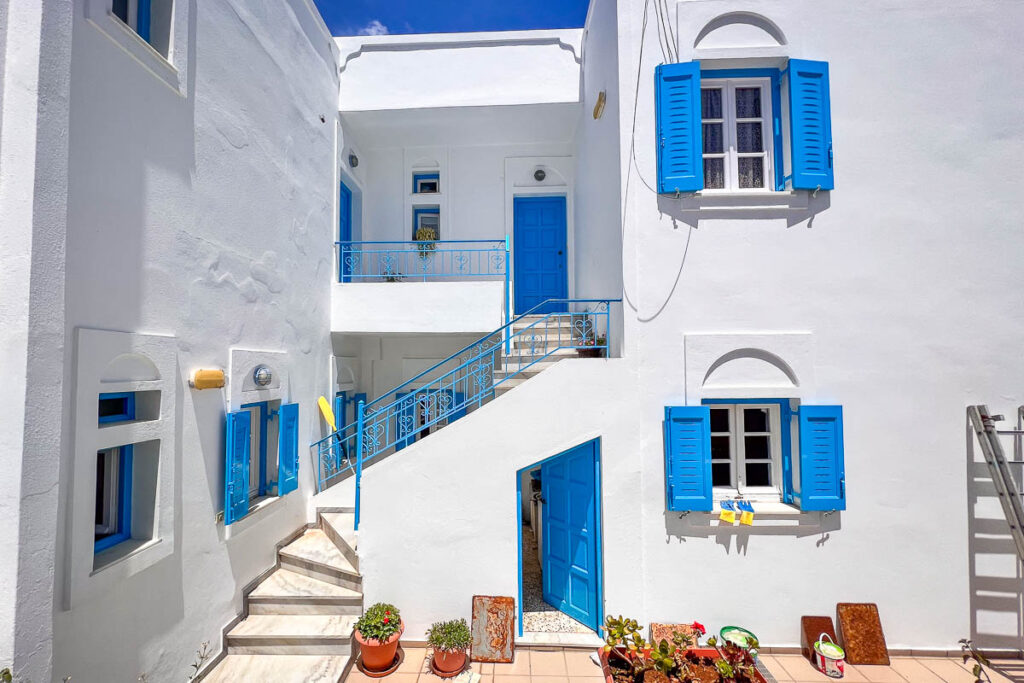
<point x="574" y="666"/>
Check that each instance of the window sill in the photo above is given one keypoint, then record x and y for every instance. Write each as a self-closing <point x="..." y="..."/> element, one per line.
<point x="774" y="508"/>
<point x="744" y="201"/>
<point x="100" y="16"/>
<point x="258" y="509"/>
<point x="121" y="552"/>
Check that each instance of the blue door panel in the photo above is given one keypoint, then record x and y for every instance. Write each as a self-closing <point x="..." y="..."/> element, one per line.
<point x="570" y="542"/>
<point x="540" y="262"/>
<point x="345" y="228"/>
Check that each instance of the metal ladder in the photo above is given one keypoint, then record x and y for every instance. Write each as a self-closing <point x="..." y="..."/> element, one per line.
<point x="998" y="466"/>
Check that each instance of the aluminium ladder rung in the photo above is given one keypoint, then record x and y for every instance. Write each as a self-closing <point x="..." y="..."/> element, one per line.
<point x="1002" y="479"/>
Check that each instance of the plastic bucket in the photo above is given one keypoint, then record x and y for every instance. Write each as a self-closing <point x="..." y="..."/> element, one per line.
<point x="829" y="658"/>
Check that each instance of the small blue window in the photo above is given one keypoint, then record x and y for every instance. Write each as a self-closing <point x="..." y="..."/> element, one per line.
<point x="113" y="497"/>
<point x="119" y="407"/>
<point x="426" y="183"/>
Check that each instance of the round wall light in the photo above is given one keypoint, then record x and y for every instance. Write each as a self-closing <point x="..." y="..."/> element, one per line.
<point x="262" y="376"/>
<point x="539" y="175"/>
<point x="353" y="160"/>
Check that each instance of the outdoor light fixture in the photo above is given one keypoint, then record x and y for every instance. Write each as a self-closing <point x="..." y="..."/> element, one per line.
<point x="353" y="160"/>
<point x="539" y="175"/>
<point x="207" y="379"/>
<point x="599" y="107"/>
<point x="262" y="375"/>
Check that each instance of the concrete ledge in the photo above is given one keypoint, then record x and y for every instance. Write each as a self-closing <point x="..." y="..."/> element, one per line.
<point x="417" y="307"/>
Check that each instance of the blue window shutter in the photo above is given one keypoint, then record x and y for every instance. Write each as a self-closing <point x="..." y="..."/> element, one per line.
<point x="822" y="473"/>
<point x="236" y="466"/>
<point x="688" y="458"/>
<point x="810" y="122"/>
<point x="678" y="127"/>
<point x="288" y="449"/>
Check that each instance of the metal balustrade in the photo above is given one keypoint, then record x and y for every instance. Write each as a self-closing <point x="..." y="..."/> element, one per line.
<point x="462" y="382"/>
<point x="423" y="261"/>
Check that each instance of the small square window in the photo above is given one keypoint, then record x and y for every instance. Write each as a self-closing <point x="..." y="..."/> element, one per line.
<point x="119" y="407"/>
<point x="737" y="121"/>
<point x="113" y="523"/>
<point x="426" y="223"/>
<point x="426" y="183"/>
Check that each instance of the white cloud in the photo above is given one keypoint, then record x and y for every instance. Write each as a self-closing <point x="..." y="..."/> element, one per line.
<point x="374" y="28"/>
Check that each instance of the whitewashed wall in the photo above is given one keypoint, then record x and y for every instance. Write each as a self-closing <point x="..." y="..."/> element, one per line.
<point x="204" y="210"/>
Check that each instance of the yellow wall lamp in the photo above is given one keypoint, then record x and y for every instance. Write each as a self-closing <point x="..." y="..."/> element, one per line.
<point x="207" y="379"/>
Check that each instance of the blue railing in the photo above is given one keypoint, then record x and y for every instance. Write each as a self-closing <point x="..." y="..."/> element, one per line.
<point x="422" y="261"/>
<point x="462" y="382"/>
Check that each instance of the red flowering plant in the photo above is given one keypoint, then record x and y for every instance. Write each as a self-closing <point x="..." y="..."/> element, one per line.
<point x="379" y="622"/>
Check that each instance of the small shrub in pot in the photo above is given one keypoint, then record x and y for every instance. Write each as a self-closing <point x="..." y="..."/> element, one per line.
<point x="377" y="633"/>
<point x="450" y="640"/>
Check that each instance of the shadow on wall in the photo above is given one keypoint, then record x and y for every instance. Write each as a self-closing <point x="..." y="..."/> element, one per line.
<point x="705" y="525"/>
<point x="995" y="579"/>
<point x="795" y="208"/>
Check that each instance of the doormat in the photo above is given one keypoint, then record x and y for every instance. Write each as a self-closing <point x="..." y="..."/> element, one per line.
<point x="494" y="620"/>
<point x="860" y="629"/>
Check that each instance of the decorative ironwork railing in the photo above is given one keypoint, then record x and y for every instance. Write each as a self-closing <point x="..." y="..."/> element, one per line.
<point x="462" y="382"/>
<point x="422" y="261"/>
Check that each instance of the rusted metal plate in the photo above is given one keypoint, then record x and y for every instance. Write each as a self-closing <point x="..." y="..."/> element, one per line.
<point x="860" y="629"/>
<point x="494" y="622"/>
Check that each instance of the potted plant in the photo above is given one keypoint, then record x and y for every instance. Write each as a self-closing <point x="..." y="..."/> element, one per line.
<point x="449" y="640"/>
<point x="426" y="239"/>
<point x="628" y="658"/>
<point x="593" y="347"/>
<point x="377" y="633"/>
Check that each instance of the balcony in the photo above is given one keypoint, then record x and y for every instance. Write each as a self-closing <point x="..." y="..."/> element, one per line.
<point x="449" y="287"/>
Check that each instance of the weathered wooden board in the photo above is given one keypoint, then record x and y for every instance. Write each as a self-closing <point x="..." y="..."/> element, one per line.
<point x="810" y="629"/>
<point x="861" y="631"/>
<point x="494" y="622"/>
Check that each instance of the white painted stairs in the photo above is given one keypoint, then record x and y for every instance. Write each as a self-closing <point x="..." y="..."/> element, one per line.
<point x="298" y="620"/>
<point x="530" y="345"/>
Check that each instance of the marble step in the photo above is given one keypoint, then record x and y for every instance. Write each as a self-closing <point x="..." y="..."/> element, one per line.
<point x="292" y="634"/>
<point x="522" y="356"/>
<point x="509" y="384"/>
<point x="279" y="669"/>
<point x="315" y="555"/>
<point x="288" y="592"/>
<point x="340" y="528"/>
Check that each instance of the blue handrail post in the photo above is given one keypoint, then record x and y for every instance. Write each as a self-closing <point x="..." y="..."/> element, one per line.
<point x="360" y="417"/>
<point x="508" y="296"/>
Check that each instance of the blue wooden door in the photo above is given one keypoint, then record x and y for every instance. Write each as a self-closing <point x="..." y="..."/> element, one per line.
<point x="344" y="230"/>
<point x="570" y="555"/>
<point x="539" y="269"/>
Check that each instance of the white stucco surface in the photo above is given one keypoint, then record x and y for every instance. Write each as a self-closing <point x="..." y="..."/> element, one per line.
<point x="418" y="307"/>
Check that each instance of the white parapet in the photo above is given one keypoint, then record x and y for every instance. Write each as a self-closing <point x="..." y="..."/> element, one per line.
<point x="417" y="307"/>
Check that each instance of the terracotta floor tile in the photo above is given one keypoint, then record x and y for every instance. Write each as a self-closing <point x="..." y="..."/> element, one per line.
<point x="357" y="676"/>
<point x="404" y="678"/>
<point x="949" y="670"/>
<point x="799" y="668"/>
<point x="483" y="668"/>
<point x="913" y="670"/>
<point x="584" y="679"/>
<point x="549" y="679"/>
<point x="547" y="663"/>
<point x="520" y="666"/>
<point x="514" y="678"/>
<point x="579" y="664"/>
<point x="877" y="674"/>
<point x="775" y="668"/>
<point x="414" y="661"/>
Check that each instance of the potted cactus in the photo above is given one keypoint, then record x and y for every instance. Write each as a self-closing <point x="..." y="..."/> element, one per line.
<point x="449" y="640"/>
<point x="377" y="633"/>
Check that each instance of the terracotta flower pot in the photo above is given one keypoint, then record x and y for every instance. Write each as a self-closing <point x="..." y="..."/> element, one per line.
<point x="449" y="662"/>
<point x="378" y="655"/>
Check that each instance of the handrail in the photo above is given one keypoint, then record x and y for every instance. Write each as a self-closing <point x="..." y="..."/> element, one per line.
<point x="394" y="261"/>
<point x="469" y="381"/>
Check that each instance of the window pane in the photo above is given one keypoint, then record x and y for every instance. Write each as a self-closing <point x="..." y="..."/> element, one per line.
<point x="757" y="447"/>
<point x="120" y="10"/>
<point x="714" y="174"/>
<point x="101" y="488"/>
<point x="755" y="420"/>
<point x="751" y="172"/>
<point x="719" y="448"/>
<point x="748" y="137"/>
<point x="713" y="138"/>
<point x="711" y="103"/>
<point x="758" y="474"/>
<point x="748" y="103"/>
<point x="720" y="474"/>
<point x="719" y="420"/>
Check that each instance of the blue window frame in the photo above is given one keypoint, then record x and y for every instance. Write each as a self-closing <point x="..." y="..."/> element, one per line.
<point x="426" y="217"/>
<point x="426" y="183"/>
<point x="116" y="407"/>
<point x="113" y="522"/>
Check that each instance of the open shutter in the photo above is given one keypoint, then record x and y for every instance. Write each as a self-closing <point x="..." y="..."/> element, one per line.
<point x="822" y="473"/>
<point x="810" y="119"/>
<point x="288" y="448"/>
<point x="236" y="466"/>
<point x="688" y="458"/>
<point x="678" y="127"/>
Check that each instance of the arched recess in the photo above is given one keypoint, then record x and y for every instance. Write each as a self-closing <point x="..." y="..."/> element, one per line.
<point x="740" y="29"/>
<point x="750" y="367"/>
<point x="130" y="367"/>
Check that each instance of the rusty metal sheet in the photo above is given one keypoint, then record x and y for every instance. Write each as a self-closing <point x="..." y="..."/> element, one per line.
<point x="494" y="622"/>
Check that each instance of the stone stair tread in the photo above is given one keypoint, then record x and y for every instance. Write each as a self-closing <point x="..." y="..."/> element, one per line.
<point x="284" y="583"/>
<point x="315" y="546"/>
<point x="279" y="668"/>
<point x="344" y="524"/>
<point x="266" y="626"/>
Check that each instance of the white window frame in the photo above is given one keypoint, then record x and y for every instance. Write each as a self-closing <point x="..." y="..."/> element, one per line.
<point x="737" y="453"/>
<point x="111" y="477"/>
<point x="730" y="154"/>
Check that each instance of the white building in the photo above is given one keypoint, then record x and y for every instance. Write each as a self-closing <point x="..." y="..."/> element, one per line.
<point x="792" y="227"/>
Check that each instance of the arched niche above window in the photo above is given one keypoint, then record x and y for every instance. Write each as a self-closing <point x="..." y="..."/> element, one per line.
<point x="740" y="30"/>
<point x="130" y="367"/>
<point x="750" y="368"/>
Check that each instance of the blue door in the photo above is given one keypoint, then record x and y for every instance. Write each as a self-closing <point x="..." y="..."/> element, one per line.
<point x="571" y="536"/>
<point x="344" y="230"/>
<point x="539" y="269"/>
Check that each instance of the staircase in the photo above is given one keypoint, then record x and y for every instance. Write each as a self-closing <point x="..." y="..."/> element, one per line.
<point x="536" y="346"/>
<point x="298" y="620"/>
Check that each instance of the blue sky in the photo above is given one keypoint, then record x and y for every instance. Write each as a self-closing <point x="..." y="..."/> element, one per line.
<point x="370" y="17"/>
